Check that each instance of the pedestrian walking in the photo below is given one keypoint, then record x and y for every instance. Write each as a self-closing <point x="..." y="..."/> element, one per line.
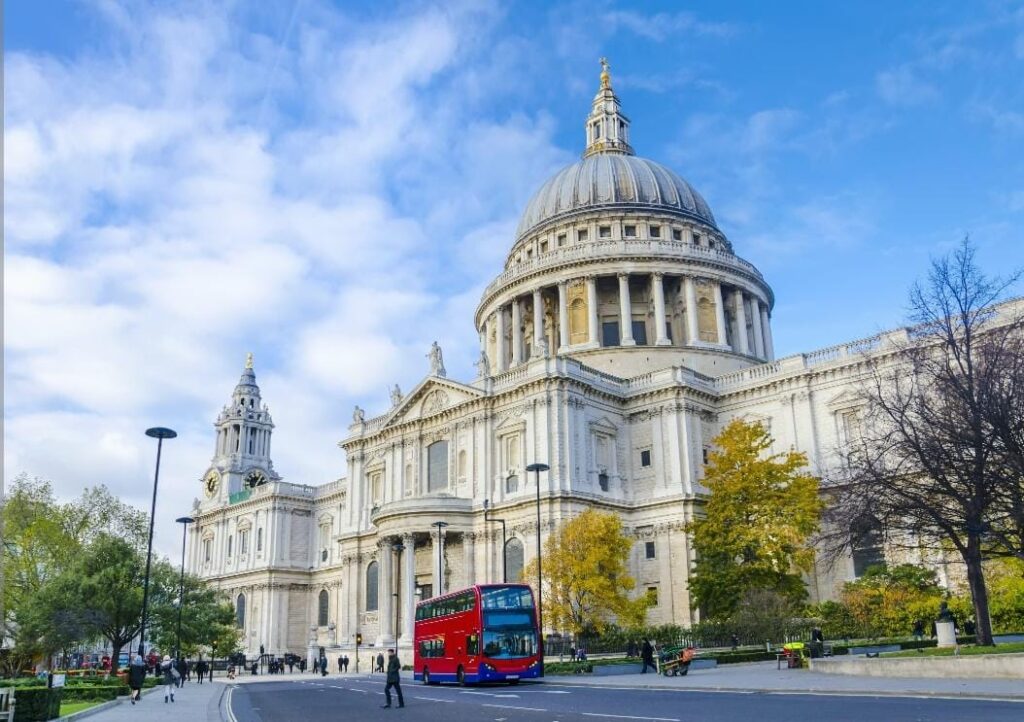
<point x="316" y="666"/>
<point x="182" y="671"/>
<point x="200" y="670"/>
<point x="647" y="657"/>
<point x="323" y="666"/>
<point x="393" y="680"/>
<point x="136" y="677"/>
<point x="380" y="661"/>
<point x="168" y="670"/>
<point x="341" y="665"/>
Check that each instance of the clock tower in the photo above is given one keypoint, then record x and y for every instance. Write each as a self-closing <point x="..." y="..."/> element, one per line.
<point x="241" y="459"/>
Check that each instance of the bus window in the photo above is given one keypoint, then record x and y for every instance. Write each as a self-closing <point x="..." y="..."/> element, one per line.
<point x="472" y="644"/>
<point x="510" y="644"/>
<point x="506" y="598"/>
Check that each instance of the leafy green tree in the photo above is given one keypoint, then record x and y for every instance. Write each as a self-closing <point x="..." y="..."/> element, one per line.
<point x="757" y="524"/>
<point x="586" y="579"/>
<point x="207" y="621"/>
<point x="886" y="601"/>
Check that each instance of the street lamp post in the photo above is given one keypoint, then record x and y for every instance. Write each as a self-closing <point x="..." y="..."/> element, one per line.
<point x="397" y="548"/>
<point x="504" y="540"/>
<point x="537" y="468"/>
<point x="440" y="568"/>
<point x="184" y="521"/>
<point x="159" y="433"/>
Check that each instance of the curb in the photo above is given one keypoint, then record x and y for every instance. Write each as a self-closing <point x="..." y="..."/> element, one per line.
<point x="996" y="696"/>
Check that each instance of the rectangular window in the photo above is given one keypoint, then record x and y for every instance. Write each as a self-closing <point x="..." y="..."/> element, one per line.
<point x="512" y="483"/>
<point x="230" y="540"/>
<point x="640" y="332"/>
<point x="696" y="239"/>
<point x="472" y="644"/>
<point x="610" y="333"/>
<point x="604" y="231"/>
<point x="582" y="234"/>
<point x="652" y="596"/>
<point x="207" y="546"/>
<point x="259" y="539"/>
<point x="668" y="330"/>
<point x="645" y="457"/>
<point x="437" y="466"/>
<point x="543" y="246"/>
<point x="677" y="234"/>
<point x="655" y="231"/>
<point x="629" y="231"/>
<point x="704" y="454"/>
<point x="243" y="542"/>
<point x="649" y="550"/>
<point x="602" y="481"/>
<point x="561" y="240"/>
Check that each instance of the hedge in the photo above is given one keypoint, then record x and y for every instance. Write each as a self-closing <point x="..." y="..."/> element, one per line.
<point x="36" y="704"/>
<point x="95" y="693"/>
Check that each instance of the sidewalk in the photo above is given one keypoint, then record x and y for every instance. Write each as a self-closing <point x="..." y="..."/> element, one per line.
<point x="764" y="677"/>
<point x="193" y="702"/>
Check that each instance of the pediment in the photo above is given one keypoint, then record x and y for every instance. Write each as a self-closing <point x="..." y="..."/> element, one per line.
<point x="845" y="399"/>
<point x="603" y="423"/>
<point x="430" y="397"/>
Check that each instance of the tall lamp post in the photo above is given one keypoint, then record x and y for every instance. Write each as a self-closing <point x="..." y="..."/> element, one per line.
<point x="504" y="540"/>
<point x="159" y="433"/>
<point x="440" y="568"/>
<point x="397" y="548"/>
<point x="537" y="468"/>
<point x="184" y="521"/>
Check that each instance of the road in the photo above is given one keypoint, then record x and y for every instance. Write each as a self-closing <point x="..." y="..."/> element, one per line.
<point x="360" y="698"/>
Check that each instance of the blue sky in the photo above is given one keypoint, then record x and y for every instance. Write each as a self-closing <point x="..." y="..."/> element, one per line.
<point x="331" y="185"/>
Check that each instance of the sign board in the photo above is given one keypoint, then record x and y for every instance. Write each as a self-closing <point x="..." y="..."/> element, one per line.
<point x="57" y="680"/>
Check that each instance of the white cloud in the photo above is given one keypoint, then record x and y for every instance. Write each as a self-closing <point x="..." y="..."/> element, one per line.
<point x="664" y="26"/>
<point x="156" y="230"/>
<point x="903" y="86"/>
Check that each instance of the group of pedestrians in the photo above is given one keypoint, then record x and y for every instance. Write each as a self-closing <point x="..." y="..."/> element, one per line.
<point x="172" y="675"/>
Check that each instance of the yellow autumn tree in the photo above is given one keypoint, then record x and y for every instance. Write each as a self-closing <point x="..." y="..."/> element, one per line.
<point x="757" y="524"/>
<point x="586" y="579"/>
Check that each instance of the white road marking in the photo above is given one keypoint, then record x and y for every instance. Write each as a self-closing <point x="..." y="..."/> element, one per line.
<point x="360" y="691"/>
<point x="492" y="694"/>
<point x="434" y="699"/>
<point x="627" y="716"/>
<point x="231" y="713"/>
<point x="506" y="706"/>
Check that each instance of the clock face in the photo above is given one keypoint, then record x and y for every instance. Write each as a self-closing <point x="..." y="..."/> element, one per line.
<point x="211" y="482"/>
<point x="255" y="478"/>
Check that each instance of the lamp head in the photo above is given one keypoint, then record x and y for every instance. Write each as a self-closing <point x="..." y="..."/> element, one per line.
<point x="184" y="520"/>
<point x="159" y="432"/>
<point x="538" y="467"/>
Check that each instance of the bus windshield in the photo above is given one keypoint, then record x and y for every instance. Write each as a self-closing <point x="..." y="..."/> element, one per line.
<point x="510" y="643"/>
<point x="506" y="598"/>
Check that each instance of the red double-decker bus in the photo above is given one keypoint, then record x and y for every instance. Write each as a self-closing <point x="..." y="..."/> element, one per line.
<point x="487" y="633"/>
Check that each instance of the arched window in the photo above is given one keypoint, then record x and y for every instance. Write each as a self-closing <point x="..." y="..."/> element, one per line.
<point x="240" y="611"/>
<point x="259" y="539"/>
<point x="321" y="612"/>
<point x="437" y="466"/>
<point x="868" y="544"/>
<point x="514" y="560"/>
<point x="371" y="587"/>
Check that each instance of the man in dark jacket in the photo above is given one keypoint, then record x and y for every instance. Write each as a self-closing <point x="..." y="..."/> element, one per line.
<point x="647" y="656"/>
<point x="393" y="680"/>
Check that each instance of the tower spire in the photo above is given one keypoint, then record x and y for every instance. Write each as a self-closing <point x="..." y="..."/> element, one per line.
<point x="607" y="128"/>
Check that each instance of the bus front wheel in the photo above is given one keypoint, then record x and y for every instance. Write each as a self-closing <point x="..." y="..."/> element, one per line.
<point x="460" y="677"/>
<point x="426" y="676"/>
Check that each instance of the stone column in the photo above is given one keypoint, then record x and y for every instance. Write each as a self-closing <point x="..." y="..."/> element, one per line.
<point x="538" y="321"/>
<point x="469" y="563"/>
<point x="720" y="315"/>
<point x="592" y="336"/>
<point x="766" y="328"/>
<point x="517" y="332"/>
<point x="385" y="583"/>
<point x="626" y="312"/>
<point x="563" y="317"/>
<point x="436" y="558"/>
<point x="499" y="363"/>
<point x="741" y="322"/>
<point x="657" y="285"/>
<point x="755" y="317"/>
<point x="692" y="327"/>
<point x="409" y="587"/>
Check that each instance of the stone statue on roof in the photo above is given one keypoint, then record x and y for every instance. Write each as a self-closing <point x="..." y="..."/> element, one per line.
<point x="436" y="360"/>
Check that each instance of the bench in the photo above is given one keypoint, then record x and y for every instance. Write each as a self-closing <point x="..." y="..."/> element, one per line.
<point x="7" y="704"/>
<point x="874" y="651"/>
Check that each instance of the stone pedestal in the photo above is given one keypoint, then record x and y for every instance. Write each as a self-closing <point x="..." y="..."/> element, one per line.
<point x="945" y="632"/>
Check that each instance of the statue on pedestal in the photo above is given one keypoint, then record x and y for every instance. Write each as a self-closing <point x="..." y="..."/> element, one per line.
<point x="396" y="396"/>
<point x="436" y="361"/>
<point x="358" y="415"/>
<point x="483" y="366"/>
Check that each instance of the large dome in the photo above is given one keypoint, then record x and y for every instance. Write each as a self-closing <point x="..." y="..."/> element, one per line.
<point x="612" y="181"/>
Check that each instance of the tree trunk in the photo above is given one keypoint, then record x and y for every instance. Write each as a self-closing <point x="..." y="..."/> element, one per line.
<point x="979" y="594"/>
<point x="114" y="655"/>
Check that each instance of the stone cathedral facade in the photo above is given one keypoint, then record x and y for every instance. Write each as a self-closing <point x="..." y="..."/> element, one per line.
<point x="621" y="335"/>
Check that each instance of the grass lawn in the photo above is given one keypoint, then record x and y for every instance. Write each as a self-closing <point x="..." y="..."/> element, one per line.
<point x="70" y="707"/>
<point x="1016" y="647"/>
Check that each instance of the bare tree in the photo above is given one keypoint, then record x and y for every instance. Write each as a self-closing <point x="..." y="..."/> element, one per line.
<point x="934" y="465"/>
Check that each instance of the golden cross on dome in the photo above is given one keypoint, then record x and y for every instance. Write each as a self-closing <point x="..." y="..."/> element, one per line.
<point x="248" y="360"/>
<point x="605" y="75"/>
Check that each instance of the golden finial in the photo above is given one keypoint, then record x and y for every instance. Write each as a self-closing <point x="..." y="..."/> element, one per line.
<point x="606" y="78"/>
<point x="248" y="360"/>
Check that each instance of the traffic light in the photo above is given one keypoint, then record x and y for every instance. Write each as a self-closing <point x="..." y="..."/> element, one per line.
<point x="359" y="639"/>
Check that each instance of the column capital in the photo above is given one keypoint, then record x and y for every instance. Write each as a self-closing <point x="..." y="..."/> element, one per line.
<point x="623" y="274"/>
<point x="658" y="274"/>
